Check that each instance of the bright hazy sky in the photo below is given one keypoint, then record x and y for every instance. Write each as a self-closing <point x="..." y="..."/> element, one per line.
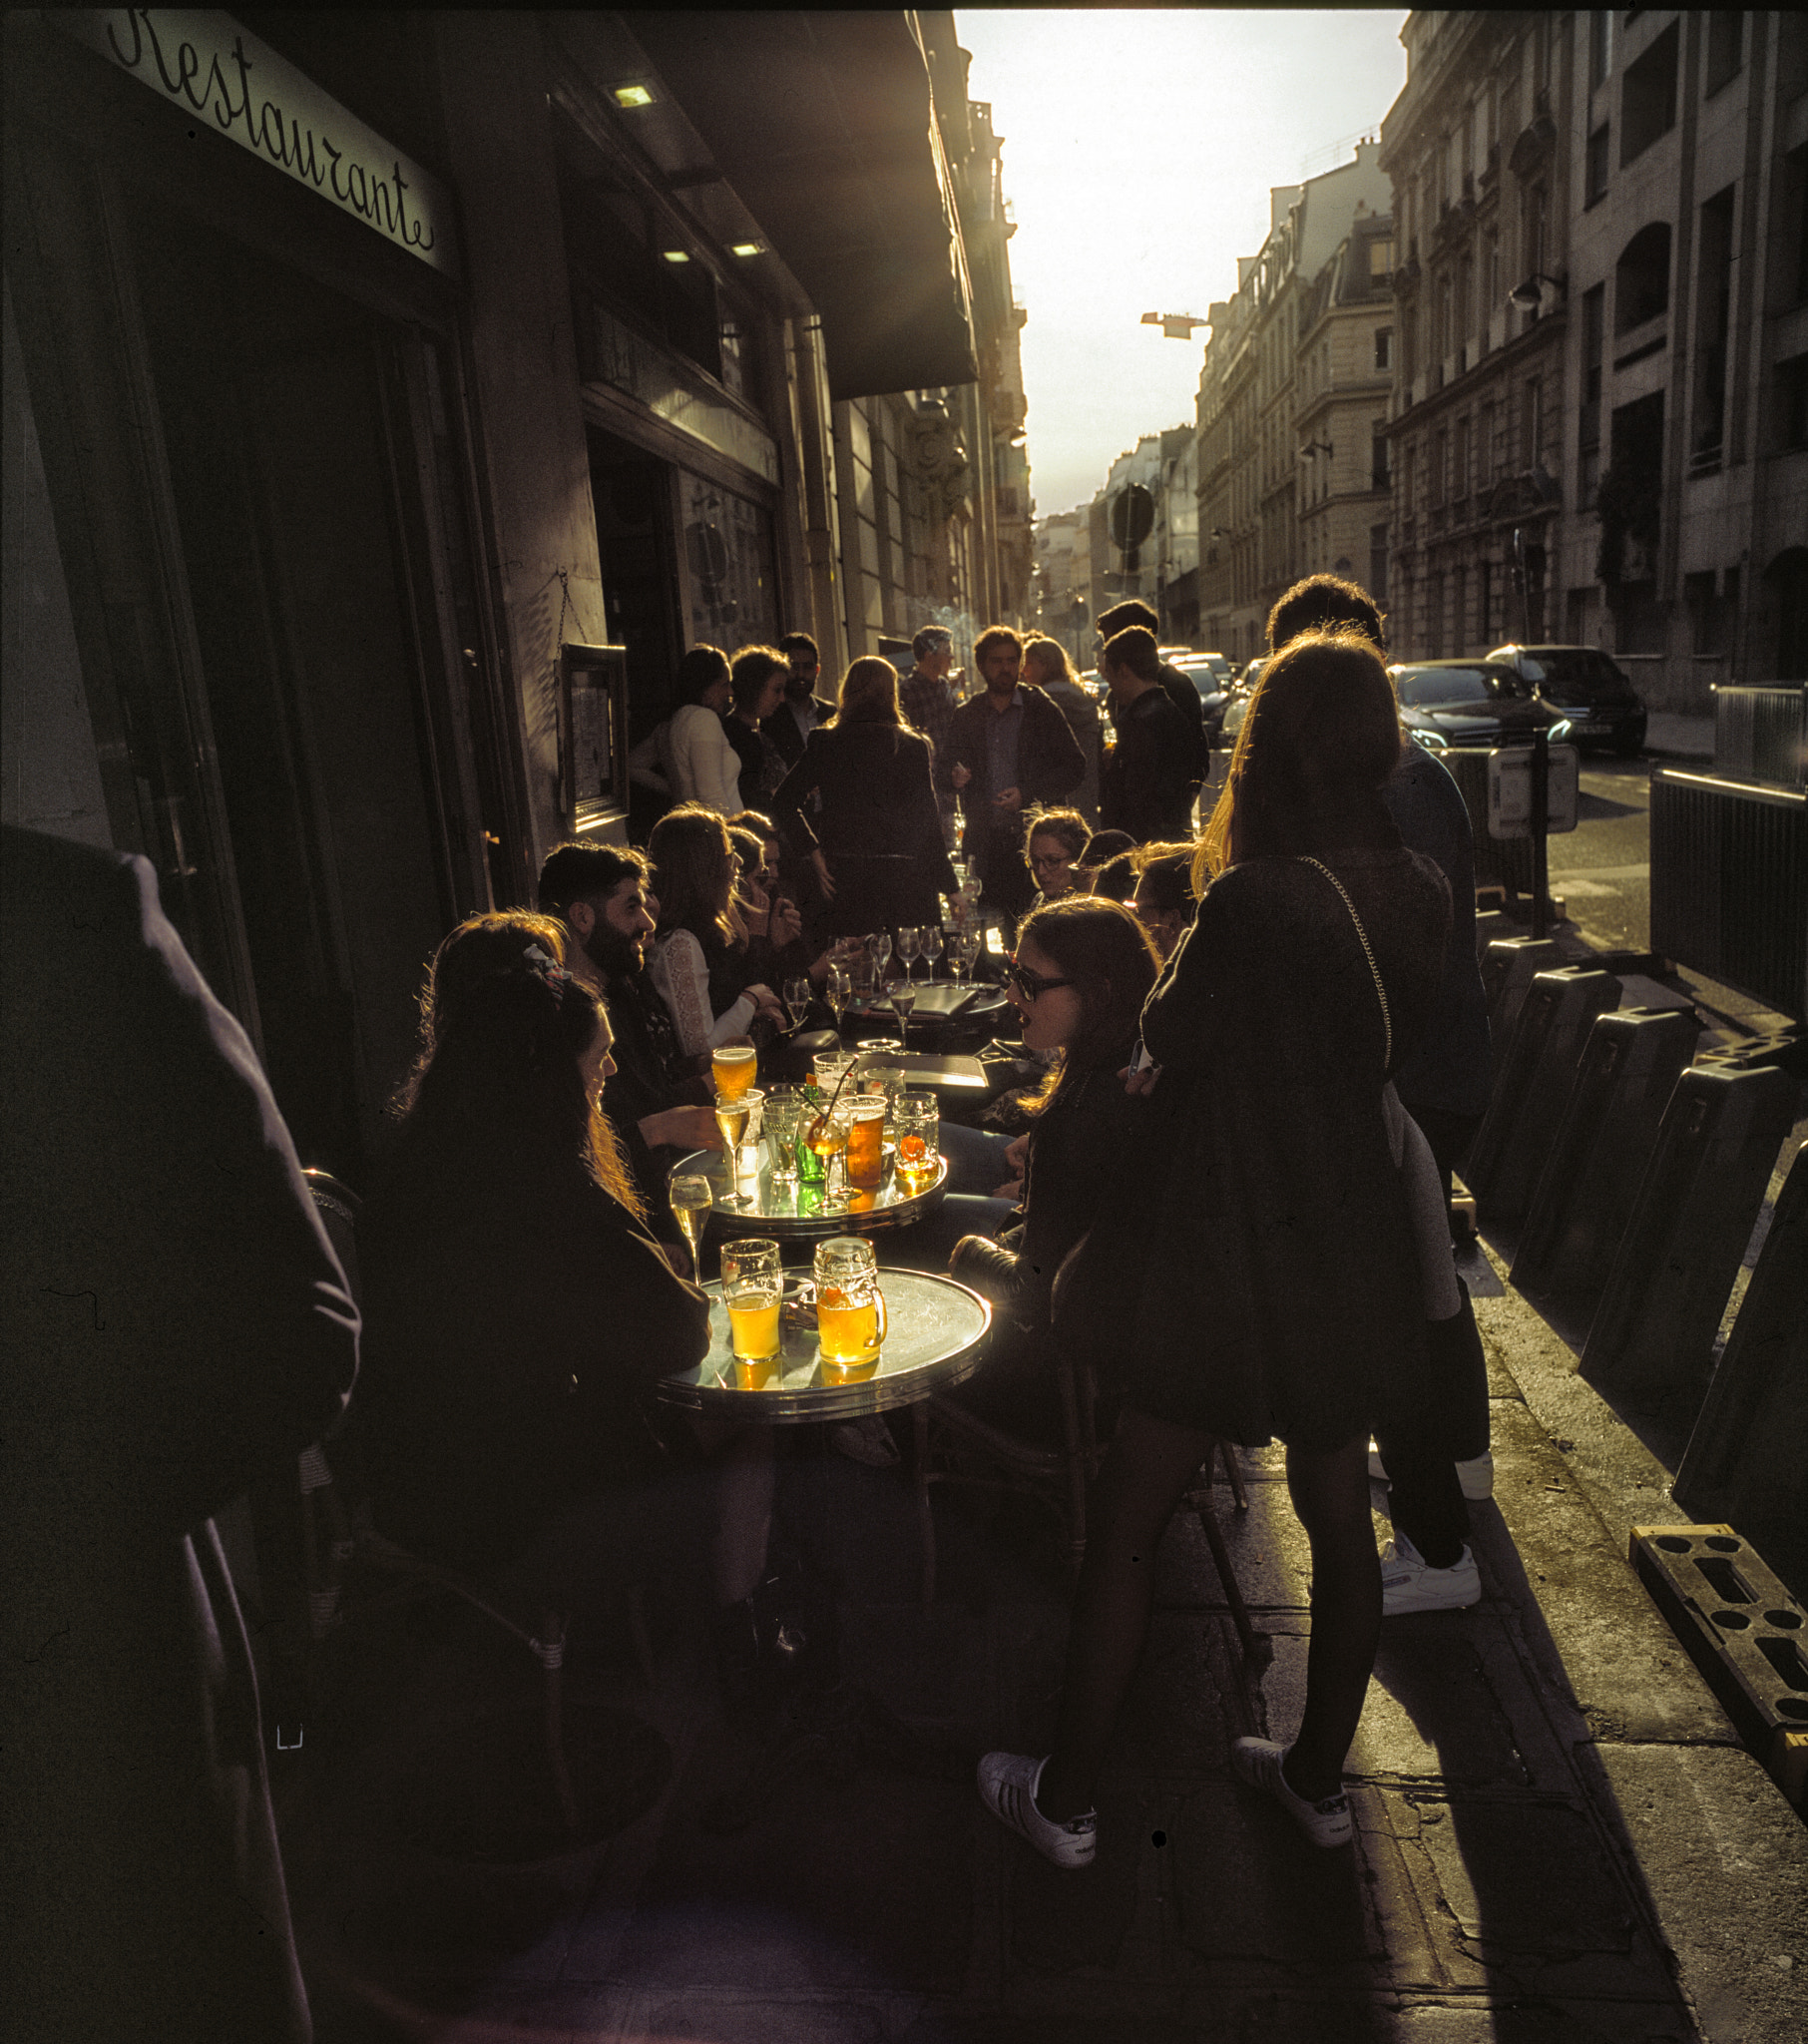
<point x="1139" y="146"/>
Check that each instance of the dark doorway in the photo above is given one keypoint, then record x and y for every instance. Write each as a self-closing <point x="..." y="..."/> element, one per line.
<point x="635" y="514"/>
<point x="276" y="416"/>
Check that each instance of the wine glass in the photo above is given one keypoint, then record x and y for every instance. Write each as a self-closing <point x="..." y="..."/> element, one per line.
<point x="972" y="941"/>
<point x="692" y="1200"/>
<point x="903" y="999"/>
<point x="931" y="947"/>
<point x="731" y="1119"/>
<point x="838" y="991"/>
<point x="797" y="1000"/>
<point x="879" y="944"/>
<point x="909" y="939"/>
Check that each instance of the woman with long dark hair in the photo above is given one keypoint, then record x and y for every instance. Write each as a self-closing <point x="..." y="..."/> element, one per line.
<point x="517" y="1314"/>
<point x="876" y="842"/>
<point x="1260" y="1278"/>
<point x="695" y="956"/>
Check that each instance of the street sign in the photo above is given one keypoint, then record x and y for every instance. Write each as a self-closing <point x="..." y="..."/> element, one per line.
<point x="1509" y="790"/>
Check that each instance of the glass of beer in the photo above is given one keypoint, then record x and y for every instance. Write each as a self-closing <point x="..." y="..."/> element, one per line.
<point x="850" y="1308"/>
<point x="733" y="1067"/>
<point x="918" y="1124"/>
<point x="753" y="1291"/>
<point x="731" y="1115"/>
<point x="692" y="1200"/>
<point x="866" y="1139"/>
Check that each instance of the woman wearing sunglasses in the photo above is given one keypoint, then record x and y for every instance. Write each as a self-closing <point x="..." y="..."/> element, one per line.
<point x="1082" y="971"/>
<point x="1258" y="1276"/>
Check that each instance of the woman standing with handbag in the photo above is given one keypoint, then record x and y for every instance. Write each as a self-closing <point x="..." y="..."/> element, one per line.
<point x="1263" y="1281"/>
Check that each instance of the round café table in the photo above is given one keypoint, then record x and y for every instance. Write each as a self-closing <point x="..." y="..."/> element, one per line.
<point x="795" y="1213"/>
<point x="935" y="1330"/>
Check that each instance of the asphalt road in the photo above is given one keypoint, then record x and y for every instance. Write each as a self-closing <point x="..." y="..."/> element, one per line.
<point x="1601" y="868"/>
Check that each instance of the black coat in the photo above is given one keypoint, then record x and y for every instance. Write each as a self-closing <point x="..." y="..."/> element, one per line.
<point x="876" y="821"/>
<point x="781" y="729"/>
<point x="1050" y="763"/>
<point x="176" y="1326"/>
<point x="1147" y="785"/>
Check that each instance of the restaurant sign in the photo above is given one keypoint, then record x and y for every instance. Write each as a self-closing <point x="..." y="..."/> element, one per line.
<point x="218" y="73"/>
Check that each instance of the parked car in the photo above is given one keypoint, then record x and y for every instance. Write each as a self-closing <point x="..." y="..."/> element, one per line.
<point x="1209" y="672"/>
<point x="1584" y="685"/>
<point x="1239" y="706"/>
<point x="1468" y="702"/>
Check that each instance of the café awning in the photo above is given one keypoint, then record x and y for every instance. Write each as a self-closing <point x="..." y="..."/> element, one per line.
<point x="824" y="125"/>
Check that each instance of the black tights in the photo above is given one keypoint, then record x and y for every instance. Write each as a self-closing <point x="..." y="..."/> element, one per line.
<point x="1146" y="1471"/>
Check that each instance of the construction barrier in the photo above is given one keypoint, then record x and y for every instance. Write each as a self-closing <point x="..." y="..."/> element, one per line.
<point x="1652" y="1336"/>
<point x="1532" y="1085"/>
<point x="1747" y="1459"/>
<point x="1743" y="1630"/>
<point x="1628" y="1070"/>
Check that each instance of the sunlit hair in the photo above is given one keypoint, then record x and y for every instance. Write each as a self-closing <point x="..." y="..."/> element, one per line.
<point x="1068" y="828"/>
<point x="1046" y="661"/>
<point x="1120" y="617"/>
<point x="701" y="669"/>
<point x="1107" y="864"/>
<point x="1165" y="877"/>
<point x="1134" y="650"/>
<point x="1321" y="736"/>
<point x="1106" y="952"/>
<point x="750" y="671"/>
<point x="1323" y="603"/>
<point x="993" y="636"/>
<point x="869" y="693"/>
<point x="497" y="1083"/>
<point x="752" y="820"/>
<point x="693" y="870"/>
<point x="581" y="871"/>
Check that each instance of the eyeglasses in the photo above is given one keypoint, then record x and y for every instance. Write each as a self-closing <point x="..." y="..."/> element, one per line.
<point x="1039" y="859"/>
<point x="1031" y="985"/>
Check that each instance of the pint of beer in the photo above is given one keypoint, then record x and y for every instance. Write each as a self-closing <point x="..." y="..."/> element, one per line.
<point x="753" y="1291"/>
<point x="733" y="1066"/>
<point x="850" y="1309"/>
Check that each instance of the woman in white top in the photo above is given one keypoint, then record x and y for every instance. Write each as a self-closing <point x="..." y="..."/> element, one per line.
<point x="705" y="767"/>
<point x="693" y="965"/>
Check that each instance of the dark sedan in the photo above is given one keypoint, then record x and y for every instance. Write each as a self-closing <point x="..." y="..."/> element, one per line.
<point x="1584" y="685"/>
<point x="1468" y="702"/>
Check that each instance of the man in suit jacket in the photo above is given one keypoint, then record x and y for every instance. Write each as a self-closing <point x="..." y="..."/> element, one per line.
<point x="1008" y="750"/>
<point x="177" y="1328"/>
<point x="802" y="710"/>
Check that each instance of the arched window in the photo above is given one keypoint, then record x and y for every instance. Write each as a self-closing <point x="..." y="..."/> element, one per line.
<point x="1642" y="278"/>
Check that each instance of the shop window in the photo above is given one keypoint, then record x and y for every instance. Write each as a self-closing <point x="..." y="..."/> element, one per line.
<point x="1648" y="99"/>
<point x="1725" y="48"/>
<point x="731" y="593"/>
<point x="1642" y="278"/>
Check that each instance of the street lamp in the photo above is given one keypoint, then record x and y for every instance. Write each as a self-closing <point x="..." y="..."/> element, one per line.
<point x="1529" y="296"/>
<point x="1312" y="447"/>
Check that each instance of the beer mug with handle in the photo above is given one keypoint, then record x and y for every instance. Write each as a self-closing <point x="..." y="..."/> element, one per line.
<point x="850" y="1308"/>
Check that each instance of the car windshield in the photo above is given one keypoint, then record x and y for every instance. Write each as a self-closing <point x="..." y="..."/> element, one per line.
<point x="1450" y="688"/>
<point x="1583" y="668"/>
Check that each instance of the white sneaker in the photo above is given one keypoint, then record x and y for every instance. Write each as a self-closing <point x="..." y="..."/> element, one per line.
<point x="1008" y="1783"/>
<point x="1475" y="1475"/>
<point x="1409" y="1584"/>
<point x="1258" y="1762"/>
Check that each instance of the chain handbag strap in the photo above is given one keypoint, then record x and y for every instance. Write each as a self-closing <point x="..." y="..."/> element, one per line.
<point x="1387" y="1020"/>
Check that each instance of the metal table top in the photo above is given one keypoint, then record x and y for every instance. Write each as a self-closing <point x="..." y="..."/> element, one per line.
<point x="796" y="1213"/>
<point x="934" y="1329"/>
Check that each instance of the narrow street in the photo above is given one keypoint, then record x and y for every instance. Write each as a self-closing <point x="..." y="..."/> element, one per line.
<point x="1601" y="868"/>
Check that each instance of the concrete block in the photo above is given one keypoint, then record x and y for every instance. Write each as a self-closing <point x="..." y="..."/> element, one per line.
<point x="1740" y="1627"/>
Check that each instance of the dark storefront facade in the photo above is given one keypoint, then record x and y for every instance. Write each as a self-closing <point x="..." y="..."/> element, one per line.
<point x="376" y="369"/>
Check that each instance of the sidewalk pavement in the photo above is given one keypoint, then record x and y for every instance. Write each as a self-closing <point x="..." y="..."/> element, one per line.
<point x="1559" y="1837"/>
<point x="1669" y="736"/>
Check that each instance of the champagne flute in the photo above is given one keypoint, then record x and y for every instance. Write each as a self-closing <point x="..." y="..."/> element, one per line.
<point x="797" y="1000"/>
<point x="880" y="948"/>
<point x="837" y="992"/>
<point x="731" y="1119"/>
<point x="692" y="1200"/>
<point x="903" y="999"/>
<point x="932" y="946"/>
<point x="909" y="938"/>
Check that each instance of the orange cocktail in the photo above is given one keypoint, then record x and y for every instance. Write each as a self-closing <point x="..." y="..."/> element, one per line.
<point x="866" y="1141"/>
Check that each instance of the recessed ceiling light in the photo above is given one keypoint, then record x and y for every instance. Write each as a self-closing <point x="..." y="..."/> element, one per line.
<point x="674" y="256"/>
<point x="634" y="96"/>
<point x="743" y="249"/>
